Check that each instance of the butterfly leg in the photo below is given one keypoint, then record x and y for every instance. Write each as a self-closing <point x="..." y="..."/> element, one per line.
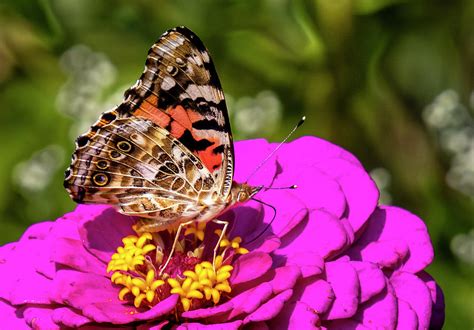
<point x="175" y="242"/>
<point x="221" y="236"/>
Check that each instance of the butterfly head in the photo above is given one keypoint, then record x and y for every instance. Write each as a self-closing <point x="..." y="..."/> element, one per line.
<point x="242" y="192"/>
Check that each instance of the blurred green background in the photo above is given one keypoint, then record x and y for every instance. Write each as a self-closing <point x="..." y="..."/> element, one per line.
<point x="389" y="80"/>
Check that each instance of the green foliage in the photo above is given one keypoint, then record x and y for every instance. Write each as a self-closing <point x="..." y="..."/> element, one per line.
<point x="362" y="71"/>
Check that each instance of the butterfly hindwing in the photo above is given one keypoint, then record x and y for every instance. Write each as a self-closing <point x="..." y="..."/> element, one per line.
<point x="137" y="166"/>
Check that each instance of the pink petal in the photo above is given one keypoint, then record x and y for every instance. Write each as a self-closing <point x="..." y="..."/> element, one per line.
<point x="269" y="244"/>
<point x="270" y="308"/>
<point x="407" y="318"/>
<point x="38" y="230"/>
<point x="380" y="311"/>
<point x="371" y="279"/>
<point x="12" y="318"/>
<point x="360" y="191"/>
<point x="27" y="286"/>
<point x="39" y="259"/>
<point x="345" y="284"/>
<point x="72" y="253"/>
<point x="67" y="225"/>
<point x="322" y="234"/>
<point x="280" y="279"/>
<point x="316" y="293"/>
<point x="118" y="314"/>
<point x="295" y="316"/>
<point x="246" y="219"/>
<point x="249" y="154"/>
<point x="309" y="263"/>
<point x="221" y="326"/>
<point x="95" y="221"/>
<point x="40" y="318"/>
<point x="242" y="304"/>
<point x="345" y="324"/>
<point x="297" y="151"/>
<point x="387" y="254"/>
<point x="396" y="232"/>
<point x="316" y="190"/>
<point x="437" y="297"/>
<point x="415" y="293"/>
<point x="241" y="307"/>
<point x="284" y="278"/>
<point x="67" y="317"/>
<point x="79" y="289"/>
<point x="152" y="326"/>
<point x="250" y="266"/>
<point x="97" y="299"/>
<point x="290" y="210"/>
<point x="101" y="327"/>
<point x="258" y="326"/>
<point x="248" y="222"/>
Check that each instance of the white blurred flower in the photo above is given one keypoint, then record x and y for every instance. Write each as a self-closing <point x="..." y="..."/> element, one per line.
<point x="461" y="174"/>
<point x="454" y="126"/>
<point x="260" y="115"/>
<point x="34" y="174"/>
<point x="82" y="96"/>
<point x="382" y="179"/>
<point x="462" y="245"/>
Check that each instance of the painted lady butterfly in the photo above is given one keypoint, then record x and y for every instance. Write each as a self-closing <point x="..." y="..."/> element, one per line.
<point x="166" y="153"/>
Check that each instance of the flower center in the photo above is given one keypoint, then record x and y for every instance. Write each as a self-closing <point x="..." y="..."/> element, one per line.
<point x="190" y="272"/>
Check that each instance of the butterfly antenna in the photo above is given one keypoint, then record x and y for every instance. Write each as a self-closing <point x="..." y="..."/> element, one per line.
<point x="277" y="148"/>
<point x="280" y="188"/>
<point x="269" y="224"/>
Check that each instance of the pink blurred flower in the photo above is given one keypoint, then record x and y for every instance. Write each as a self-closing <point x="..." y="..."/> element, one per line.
<point x="332" y="259"/>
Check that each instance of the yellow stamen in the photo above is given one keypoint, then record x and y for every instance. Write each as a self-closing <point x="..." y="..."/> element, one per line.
<point x="133" y="267"/>
<point x="123" y="292"/>
<point x="186" y="303"/>
<point x="234" y="243"/>
<point x="138" y="300"/>
<point x="132" y="254"/>
<point x="198" y="229"/>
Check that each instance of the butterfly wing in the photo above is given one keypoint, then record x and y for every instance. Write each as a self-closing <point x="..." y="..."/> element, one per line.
<point x="181" y="92"/>
<point x="137" y="166"/>
<point x="174" y="121"/>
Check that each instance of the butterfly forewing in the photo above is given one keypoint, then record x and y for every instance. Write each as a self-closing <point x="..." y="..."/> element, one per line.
<point x="167" y="147"/>
<point x="181" y="92"/>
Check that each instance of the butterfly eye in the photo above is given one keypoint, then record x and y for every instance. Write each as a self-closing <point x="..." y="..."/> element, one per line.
<point x="100" y="179"/>
<point x="102" y="164"/>
<point x="124" y="146"/>
<point x="243" y="196"/>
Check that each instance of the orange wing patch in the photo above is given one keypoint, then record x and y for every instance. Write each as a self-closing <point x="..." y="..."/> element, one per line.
<point x="149" y="111"/>
<point x="209" y="158"/>
<point x="179" y="120"/>
<point x="183" y="120"/>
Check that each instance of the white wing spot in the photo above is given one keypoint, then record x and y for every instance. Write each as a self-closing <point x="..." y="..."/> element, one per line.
<point x="168" y="83"/>
<point x="208" y="92"/>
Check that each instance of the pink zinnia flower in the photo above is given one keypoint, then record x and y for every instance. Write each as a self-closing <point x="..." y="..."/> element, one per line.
<point x="332" y="258"/>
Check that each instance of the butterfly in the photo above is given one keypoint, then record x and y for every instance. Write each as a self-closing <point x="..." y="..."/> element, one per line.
<point x="165" y="154"/>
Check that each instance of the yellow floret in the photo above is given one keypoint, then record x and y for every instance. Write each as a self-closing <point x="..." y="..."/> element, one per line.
<point x="234" y="243"/>
<point x="202" y="283"/>
<point x="198" y="229"/>
<point x="132" y="254"/>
